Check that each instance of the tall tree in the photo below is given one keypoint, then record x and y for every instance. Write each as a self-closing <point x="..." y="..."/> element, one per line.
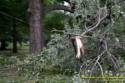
<point x="36" y="11"/>
<point x="12" y="13"/>
<point x="35" y="24"/>
<point x="14" y="35"/>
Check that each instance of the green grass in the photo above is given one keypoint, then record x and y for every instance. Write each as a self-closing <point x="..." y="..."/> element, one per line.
<point x="8" y="69"/>
<point x="44" y="79"/>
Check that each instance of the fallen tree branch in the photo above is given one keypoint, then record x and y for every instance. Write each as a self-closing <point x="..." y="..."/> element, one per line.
<point x="110" y="56"/>
<point x="66" y="33"/>
<point x="90" y="28"/>
<point x="58" y="7"/>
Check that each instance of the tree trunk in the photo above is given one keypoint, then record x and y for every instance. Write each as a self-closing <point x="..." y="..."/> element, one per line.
<point x="35" y="24"/>
<point x="3" y="44"/>
<point x="14" y="32"/>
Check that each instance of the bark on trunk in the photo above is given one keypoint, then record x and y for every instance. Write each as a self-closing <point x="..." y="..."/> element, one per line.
<point x="14" y="37"/>
<point x="35" y="24"/>
<point x="3" y="44"/>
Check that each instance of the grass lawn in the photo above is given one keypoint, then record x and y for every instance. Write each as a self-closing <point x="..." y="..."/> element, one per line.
<point x="9" y="70"/>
